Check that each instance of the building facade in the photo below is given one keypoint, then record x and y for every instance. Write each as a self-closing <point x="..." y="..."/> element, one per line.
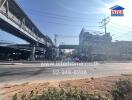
<point x="100" y="47"/>
<point x="88" y="38"/>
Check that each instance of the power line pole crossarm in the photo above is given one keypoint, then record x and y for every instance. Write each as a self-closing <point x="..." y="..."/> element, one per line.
<point x="104" y="23"/>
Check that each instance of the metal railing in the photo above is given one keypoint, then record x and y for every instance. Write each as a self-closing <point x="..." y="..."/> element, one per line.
<point x="18" y="22"/>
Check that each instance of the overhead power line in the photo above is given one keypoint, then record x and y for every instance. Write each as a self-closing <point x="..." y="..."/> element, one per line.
<point x="119" y="32"/>
<point x="64" y="19"/>
<point x="56" y="36"/>
<point x="121" y="26"/>
<point x="45" y="16"/>
<point x="59" y="15"/>
<point x="115" y="31"/>
<point x="66" y="24"/>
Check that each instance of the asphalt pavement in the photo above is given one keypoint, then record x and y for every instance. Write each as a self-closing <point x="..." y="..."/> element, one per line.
<point x="35" y="72"/>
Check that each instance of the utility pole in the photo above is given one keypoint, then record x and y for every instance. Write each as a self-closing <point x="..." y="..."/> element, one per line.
<point x="55" y="49"/>
<point x="104" y="23"/>
<point x="55" y="39"/>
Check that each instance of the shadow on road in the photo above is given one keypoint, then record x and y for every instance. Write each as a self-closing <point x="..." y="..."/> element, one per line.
<point x="10" y="73"/>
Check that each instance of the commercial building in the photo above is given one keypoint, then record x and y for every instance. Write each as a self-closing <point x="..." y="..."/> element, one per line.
<point x="100" y="47"/>
<point x="91" y="38"/>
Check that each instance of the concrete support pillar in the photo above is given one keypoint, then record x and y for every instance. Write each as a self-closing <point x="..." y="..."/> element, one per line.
<point x="0" y="3"/>
<point x="48" y="54"/>
<point x="44" y="53"/>
<point x="32" y="57"/>
<point x="52" y="50"/>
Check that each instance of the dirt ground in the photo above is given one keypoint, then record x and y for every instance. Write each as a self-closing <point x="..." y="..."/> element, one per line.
<point x="101" y="85"/>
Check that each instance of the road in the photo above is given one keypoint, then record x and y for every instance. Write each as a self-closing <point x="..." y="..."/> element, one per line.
<point x="35" y="72"/>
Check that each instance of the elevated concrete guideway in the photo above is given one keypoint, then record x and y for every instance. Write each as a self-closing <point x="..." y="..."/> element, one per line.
<point x="68" y="46"/>
<point x="13" y="20"/>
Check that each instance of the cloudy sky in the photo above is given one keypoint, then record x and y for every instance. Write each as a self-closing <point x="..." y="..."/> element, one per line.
<point x="67" y="17"/>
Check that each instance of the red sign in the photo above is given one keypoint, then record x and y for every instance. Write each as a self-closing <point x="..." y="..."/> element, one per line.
<point x="117" y="12"/>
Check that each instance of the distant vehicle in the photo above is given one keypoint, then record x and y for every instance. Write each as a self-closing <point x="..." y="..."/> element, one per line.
<point x="77" y="59"/>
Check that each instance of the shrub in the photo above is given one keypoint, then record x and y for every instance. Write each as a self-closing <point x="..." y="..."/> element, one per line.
<point x="62" y="94"/>
<point x="14" y="97"/>
<point x="123" y="90"/>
